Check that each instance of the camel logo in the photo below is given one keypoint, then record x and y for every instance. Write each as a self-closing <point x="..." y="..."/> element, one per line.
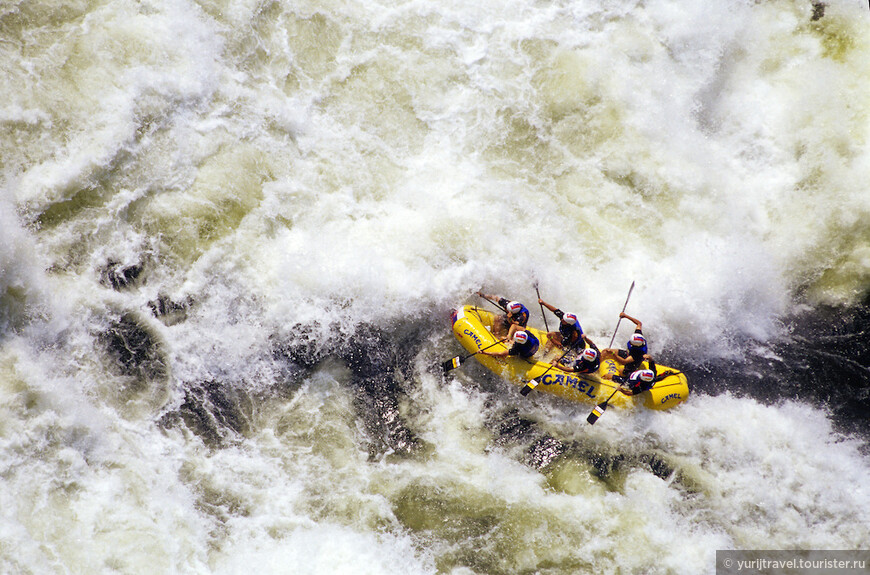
<point x="472" y="335"/>
<point x="666" y="398"/>
<point x="577" y="383"/>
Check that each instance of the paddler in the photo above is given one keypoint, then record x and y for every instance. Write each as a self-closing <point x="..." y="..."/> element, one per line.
<point x="570" y="331"/>
<point x="639" y="381"/>
<point x="636" y="350"/>
<point x="586" y="362"/>
<point x="524" y="345"/>
<point x="516" y="314"/>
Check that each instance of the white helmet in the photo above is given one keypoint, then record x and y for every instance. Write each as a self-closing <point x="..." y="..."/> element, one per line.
<point x="589" y="355"/>
<point x="514" y="307"/>
<point x="637" y="340"/>
<point x="570" y="318"/>
<point x="645" y="375"/>
<point x="521" y="337"/>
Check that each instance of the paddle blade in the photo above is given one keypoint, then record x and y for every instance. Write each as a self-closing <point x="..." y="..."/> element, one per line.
<point x="596" y="413"/>
<point x="451" y="364"/>
<point x="529" y="387"/>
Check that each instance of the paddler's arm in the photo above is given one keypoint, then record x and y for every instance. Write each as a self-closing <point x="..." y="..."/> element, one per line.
<point x="620" y="380"/>
<point x="611" y="353"/>
<point x="548" y="306"/>
<point x="502" y="302"/>
<point x="560" y="366"/>
<point x="631" y="319"/>
<point x="497" y="354"/>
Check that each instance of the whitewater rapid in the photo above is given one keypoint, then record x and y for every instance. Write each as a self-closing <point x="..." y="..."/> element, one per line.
<point x="231" y="234"/>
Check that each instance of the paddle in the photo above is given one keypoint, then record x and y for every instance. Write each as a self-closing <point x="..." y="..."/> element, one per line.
<point x="599" y="409"/>
<point x="623" y="311"/>
<point x="533" y="383"/>
<point x="481" y="294"/>
<point x="455" y="362"/>
<point x="542" y="307"/>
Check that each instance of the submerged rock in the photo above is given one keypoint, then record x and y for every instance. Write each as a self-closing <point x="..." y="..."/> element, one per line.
<point x="135" y="350"/>
<point x="376" y="361"/>
<point x="168" y="311"/>
<point x="119" y="276"/>
<point x="216" y="412"/>
<point x="543" y="450"/>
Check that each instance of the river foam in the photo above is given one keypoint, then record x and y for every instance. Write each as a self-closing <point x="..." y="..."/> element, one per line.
<point x="231" y="234"/>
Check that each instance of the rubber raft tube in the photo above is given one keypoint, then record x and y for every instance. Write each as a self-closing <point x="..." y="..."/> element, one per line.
<point x="472" y="327"/>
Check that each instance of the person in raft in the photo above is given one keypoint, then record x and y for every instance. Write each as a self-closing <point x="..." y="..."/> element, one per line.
<point x="639" y="381"/>
<point x="631" y="359"/>
<point x="586" y="362"/>
<point x="516" y="314"/>
<point x="570" y="332"/>
<point x="525" y="345"/>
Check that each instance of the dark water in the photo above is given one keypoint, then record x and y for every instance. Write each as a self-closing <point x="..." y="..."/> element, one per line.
<point x="823" y="360"/>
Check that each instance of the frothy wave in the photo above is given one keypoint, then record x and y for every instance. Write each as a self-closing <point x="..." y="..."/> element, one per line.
<point x="230" y="236"/>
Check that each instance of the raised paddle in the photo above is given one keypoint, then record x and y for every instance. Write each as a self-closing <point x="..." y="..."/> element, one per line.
<point x="455" y="362"/>
<point x="481" y="294"/>
<point x="599" y="409"/>
<point x="620" y="318"/>
<point x="542" y="307"/>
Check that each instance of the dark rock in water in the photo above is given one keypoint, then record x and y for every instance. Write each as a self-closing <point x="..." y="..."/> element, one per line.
<point x="168" y="311"/>
<point x="216" y="412"/>
<point x="305" y="350"/>
<point x="379" y="362"/>
<point x="659" y="467"/>
<point x="604" y="464"/>
<point x="608" y="466"/>
<point x="514" y="429"/>
<point x="543" y="448"/>
<point x="818" y="11"/>
<point x="544" y="452"/>
<point x="135" y="350"/>
<point x="376" y="362"/>
<point x="118" y="276"/>
<point x="377" y="402"/>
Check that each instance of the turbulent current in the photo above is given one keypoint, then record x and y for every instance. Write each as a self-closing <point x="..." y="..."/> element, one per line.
<point x="232" y="233"/>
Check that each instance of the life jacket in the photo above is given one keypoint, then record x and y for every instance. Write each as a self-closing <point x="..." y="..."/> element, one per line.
<point x="527" y="349"/>
<point x="521" y="317"/>
<point x="571" y="334"/>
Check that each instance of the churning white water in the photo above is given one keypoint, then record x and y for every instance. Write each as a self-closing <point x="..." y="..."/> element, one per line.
<point x="231" y="233"/>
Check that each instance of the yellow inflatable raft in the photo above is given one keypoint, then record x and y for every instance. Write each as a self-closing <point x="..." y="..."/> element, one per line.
<point x="472" y="327"/>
